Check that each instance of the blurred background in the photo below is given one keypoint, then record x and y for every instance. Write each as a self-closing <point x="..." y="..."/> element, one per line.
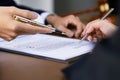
<point x="59" y="6"/>
<point x="87" y="10"/>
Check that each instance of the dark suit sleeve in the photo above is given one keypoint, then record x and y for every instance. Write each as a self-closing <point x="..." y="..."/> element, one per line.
<point x="12" y="3"/>
<point x="102" y="64"/>
<point x="7" y="3"/>
<point x="116" y="5"/>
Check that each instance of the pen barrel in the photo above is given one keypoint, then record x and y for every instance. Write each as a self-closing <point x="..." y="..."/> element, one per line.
<point x="35" y="23"/>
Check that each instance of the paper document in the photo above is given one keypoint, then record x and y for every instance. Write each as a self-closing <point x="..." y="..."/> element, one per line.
<point x="48" y="46"/>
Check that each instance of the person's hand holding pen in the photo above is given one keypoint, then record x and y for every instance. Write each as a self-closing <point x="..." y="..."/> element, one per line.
<point x="99" y="29"/>
<point x="63" y="24"/>
<point x="10" y="28"/>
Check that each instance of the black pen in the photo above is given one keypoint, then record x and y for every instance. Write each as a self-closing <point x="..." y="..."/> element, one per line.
<point x="25" y="20"/>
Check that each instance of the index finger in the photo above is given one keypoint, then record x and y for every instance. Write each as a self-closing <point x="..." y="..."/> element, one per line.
<point x="78" y="25"/>
<point x="91" y="26"/>
<point x="24" y="13"/>
<point x="24" y="28"/>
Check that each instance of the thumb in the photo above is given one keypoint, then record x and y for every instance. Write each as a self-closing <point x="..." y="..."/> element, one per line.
<point x="24" y="13"/>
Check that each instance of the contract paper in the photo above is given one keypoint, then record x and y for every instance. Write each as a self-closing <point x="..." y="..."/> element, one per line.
<point x="49" y="46"/>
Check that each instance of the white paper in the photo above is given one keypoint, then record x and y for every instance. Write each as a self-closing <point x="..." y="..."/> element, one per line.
<point x="48" y="46"/>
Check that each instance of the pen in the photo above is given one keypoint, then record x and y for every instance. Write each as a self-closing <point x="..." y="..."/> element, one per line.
<point x="86" y="35"/>
<point x="32" y="22"/>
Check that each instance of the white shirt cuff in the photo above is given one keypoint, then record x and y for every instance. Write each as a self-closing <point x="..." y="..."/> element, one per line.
<point x="42" y="17"/>
<point x="39" y="19"/>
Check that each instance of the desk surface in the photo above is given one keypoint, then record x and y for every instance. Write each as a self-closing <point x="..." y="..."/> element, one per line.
<point x="19" y="67"/>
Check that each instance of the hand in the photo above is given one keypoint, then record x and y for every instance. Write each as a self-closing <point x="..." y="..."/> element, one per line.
<point x="99" y="29"/>
<point x="9" y="28"/>
<point x="63" y="24"/>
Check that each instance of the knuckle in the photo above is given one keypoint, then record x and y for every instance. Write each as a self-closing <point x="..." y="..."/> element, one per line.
<point x="13" y="27"/>
<point x="10" y="27"/>
<point x="71" y="16"/>
<point x="60" y="27"/>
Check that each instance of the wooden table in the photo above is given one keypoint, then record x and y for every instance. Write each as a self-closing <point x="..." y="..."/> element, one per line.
<point x="19" y="67"/>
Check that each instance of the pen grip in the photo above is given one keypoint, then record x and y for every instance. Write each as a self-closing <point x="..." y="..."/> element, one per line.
<point x="58" y="31"/>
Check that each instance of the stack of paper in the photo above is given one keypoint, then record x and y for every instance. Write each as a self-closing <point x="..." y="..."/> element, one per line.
<point x="47" y="46"/>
